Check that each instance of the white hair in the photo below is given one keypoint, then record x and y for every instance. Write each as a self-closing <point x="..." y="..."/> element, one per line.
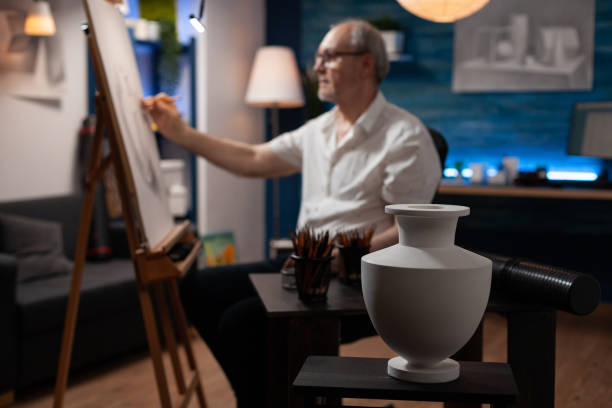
<point x="365" y="37"/>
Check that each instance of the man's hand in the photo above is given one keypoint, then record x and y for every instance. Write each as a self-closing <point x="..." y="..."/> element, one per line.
<point x="337" y="265"/>
<point x="166" y="116"/>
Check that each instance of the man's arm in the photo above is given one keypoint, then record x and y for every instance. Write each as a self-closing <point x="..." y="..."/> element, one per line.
<point x="385" y="238"/>
<point x="381" y="240"/>
<point x="237" y="157"/>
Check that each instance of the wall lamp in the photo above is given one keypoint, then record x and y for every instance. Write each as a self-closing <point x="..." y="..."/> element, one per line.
<point x="196" y="22"/>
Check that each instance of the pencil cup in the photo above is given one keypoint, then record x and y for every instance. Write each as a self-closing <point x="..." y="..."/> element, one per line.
<point x="312" y="278"/>
<point x="351" y="257"/>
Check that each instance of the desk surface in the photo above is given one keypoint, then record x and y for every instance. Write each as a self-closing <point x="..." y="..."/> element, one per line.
<point x="533" y="192"/>
<point x="367" y="378"/>
<point x="342" y="300"/>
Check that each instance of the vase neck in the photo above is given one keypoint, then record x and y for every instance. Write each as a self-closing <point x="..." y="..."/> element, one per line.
<point x="427" y="232"/>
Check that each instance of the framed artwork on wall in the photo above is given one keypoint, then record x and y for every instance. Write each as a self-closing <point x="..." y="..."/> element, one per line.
<point x="219" y="249"/>
<point x="30" y="66"/>
<point x="522" y="45"/>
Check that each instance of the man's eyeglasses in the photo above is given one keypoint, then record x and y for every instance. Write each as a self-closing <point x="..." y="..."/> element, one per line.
<point x="327" y="58"/>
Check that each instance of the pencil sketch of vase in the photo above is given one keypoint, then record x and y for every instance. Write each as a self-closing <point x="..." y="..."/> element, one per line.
<point x="523" y="46"/>
<point x="17" y="50"/>
<point x="30" y="66"/>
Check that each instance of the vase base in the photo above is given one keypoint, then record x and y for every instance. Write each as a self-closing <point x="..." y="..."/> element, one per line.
<point x="445" y="371"/>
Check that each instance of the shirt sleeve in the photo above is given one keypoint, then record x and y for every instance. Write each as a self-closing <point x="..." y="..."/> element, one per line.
<point x="289" y="146"/>
<point x="412" y="170"/>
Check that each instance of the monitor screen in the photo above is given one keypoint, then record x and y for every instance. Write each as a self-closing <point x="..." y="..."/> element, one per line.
<point x="591" y="130"/>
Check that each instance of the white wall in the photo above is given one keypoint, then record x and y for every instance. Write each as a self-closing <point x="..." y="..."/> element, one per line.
<point x="235" y="29"/>
<point x="38" y="141"/>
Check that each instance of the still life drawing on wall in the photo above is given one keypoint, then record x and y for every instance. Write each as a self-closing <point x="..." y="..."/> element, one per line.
<point x="31" y="66"/>
<point x="523" y="45"/>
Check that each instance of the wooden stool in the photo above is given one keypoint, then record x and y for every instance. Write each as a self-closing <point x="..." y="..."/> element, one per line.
<point x="325" y="376"/>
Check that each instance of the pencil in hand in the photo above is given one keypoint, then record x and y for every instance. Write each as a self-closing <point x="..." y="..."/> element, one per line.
<point x="150" y="101"/>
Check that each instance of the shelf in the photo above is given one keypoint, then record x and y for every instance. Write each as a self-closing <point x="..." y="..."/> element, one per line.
<point x="402" y="58"/>
<point x="533" y="192"/>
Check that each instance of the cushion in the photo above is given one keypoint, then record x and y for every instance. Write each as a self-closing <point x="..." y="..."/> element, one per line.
<point x="65" y="209"/>
<point x="37" y="244"/>
<point x="108" y="289"/>
<point x="37" y="266"/>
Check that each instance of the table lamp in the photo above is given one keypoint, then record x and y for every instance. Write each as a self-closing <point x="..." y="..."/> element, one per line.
<point x="275" y="83"/>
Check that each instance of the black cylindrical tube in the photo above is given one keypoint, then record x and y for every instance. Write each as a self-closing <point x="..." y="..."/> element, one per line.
<point x="519" y="281"/>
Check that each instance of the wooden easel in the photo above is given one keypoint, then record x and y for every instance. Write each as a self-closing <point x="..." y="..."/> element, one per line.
<point x="154" y="269"/>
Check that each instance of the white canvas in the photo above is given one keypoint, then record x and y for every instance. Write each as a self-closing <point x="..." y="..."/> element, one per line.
<point x="120" y="69"/>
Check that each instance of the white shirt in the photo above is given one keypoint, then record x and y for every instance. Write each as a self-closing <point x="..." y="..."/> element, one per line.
<point x="387" y="157"/>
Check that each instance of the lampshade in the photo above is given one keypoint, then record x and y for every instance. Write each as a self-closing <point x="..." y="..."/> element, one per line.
<point x="40" y="20"/>
<point x="442" y="11"/>
<point x="275" y="80"/>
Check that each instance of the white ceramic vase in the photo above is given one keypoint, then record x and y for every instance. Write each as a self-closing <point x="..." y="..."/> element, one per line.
<point x="394" y="43"/>
<point x="425" y="295"/>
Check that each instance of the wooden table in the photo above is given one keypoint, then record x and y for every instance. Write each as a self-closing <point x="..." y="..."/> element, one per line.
<point x="297" y="330"/>
<point x="526" y="192"/>
<point x="355" y="377"/>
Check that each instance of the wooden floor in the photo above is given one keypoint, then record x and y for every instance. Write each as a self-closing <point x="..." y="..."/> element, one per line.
<point x="584" y="370"/>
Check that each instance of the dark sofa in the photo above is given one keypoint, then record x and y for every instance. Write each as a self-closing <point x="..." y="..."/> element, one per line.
<point x="32" y="312"/>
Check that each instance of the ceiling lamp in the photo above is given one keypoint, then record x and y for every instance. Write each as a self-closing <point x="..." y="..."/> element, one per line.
<point x="442" y="11"/>
<point x="40" y="20"/>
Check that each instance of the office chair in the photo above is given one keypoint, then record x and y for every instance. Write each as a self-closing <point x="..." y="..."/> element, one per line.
<point x="441" y="145"/>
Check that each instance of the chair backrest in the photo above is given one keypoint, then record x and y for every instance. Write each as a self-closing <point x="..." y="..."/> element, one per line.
<point x="441" y="145"/>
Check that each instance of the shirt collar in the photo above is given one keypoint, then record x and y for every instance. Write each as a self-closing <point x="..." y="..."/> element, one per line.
<point x="370" y="115"/>
<point x="366" y="119"/>
<point x="330" y="119"/>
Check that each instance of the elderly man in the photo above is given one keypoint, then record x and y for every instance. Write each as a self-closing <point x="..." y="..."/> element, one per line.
<point x="354" y="159"/>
